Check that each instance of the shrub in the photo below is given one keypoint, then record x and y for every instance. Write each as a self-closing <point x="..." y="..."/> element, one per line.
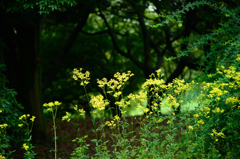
<point x="10" y="112"/>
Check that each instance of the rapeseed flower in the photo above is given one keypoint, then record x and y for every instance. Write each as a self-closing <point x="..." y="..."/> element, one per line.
<point x="116" y="117"/>
<point x="98" y="102"/>
<point x="110" y="123"/>
<point x="81" y="111"/>
<point x="66" y="117"/>
<point x="51" y="106"/>
<point x="20" y="125"/>
<point x="232" y="100"/>
<point x="32" y="119"/>
<point x="83" y="77"/>
<point x="190" y="127"/>
<point x="238" y="57"/>
<point x="3" y="126"/>
<point x="25" y="146"/>
<point x="200" y="122"/>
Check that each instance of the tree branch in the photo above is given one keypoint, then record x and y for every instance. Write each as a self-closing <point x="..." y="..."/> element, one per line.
<point x="97" y="33"/>
<point x="116" y="47"/>
<point x="56" y="67"/>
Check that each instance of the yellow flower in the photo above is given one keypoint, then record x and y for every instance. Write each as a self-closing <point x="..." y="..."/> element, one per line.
<point x="81" y="111"/>
<point x="206" y="108"/>
<point x="3" y="126"/>
<point x="117" y="117"/>
<point x="49" y="109"/>
<point x="238" y="57"/>
<point x="66" y="117"/>
<point x="0" y="111"/>
<point x="45" y="105"/>
<point x="110" y="124"/>
<point x="117" y="94"/>
<point x="232" y="100"/>
<point x="2" y="157"/>
<point x="20" y="125"/>
<point x="102" y="83"/>
<point x="57" y="103"/>
<point x="84" y="77"/>
<point x="146" y="110"/>
<point x="50" y="104"/>
<point x="23" y="116"/>
<point x="25" y="146"/>
<point x="98" y="102"/>
<point x="32" y="119"/>
<point x="221" y="134"/>
<point x="196" y="115"/>
<point x="76" y="107"/>
<point x="190" y="127"/>
<point x="214" y="131"/>
<point x="201" y="122"/>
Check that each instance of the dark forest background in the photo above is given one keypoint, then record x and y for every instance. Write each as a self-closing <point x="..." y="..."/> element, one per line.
<point x="43" y="41"/>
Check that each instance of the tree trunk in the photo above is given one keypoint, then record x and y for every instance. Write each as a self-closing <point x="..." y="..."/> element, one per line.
<point x="21" y="55"/>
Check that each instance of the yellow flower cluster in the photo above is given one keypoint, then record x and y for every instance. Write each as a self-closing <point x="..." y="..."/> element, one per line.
<point x="3" y="126"/>
<point x="66" y="117"/>
<point x="24" y="117"/>
<point x="215" y="133"/>
<point x="98" y="102"/>
<point x="141" y="96"/>
<point x="158" y="83"/>
<point x="154" y="82"/>
<point x="2" y="157"/>
<point x="25" y="146"/>
<point x="171" y="101"/>
<point x="200" y="122"/>
<point x="190" y="127"/>
<point x="0" y="111"/>
<point x="232" y="100"/>
<point x="115" y="84"/>
<point x="50" y="106"/>
<point x="146" y="110"/>
<point x="124" y="77"/>
<point x="112" y="123"/>
<point x="20" y="125"/>
<point x="206" y="111"/>
<point x="81" y="111"/>
<point x="83" y="77"/>
<point x="238" y="57"/>
<point x="196" y="115"/>
<point x="180" y="86"/>
<point x="122" y="103"/>
<point x="216" y="92"/>
<point x="229" y="73"/>
<point x="218" y="110"/>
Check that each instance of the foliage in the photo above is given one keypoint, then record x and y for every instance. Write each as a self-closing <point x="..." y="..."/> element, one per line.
<point x="211" y="131"/>
<point x="44" y="6"/>
<point x="207" y="132"/>
<point x="53" y="107"/>
<point x="29" y="154"/>
<point x="10" y="111"/>
<point x="223" y="41"/>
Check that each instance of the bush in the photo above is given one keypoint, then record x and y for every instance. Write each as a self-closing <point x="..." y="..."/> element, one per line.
<point x="10" y="112"/>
